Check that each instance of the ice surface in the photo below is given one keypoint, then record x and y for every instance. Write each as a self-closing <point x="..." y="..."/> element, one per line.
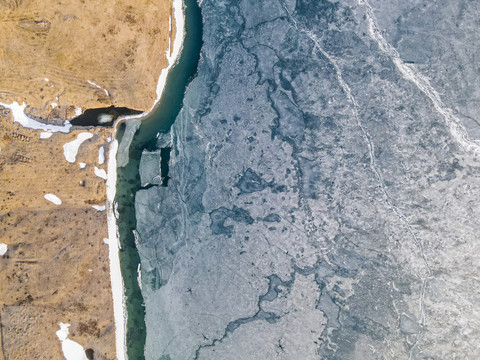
<point x="323" y="200"/>
<point x="70" y="149"/>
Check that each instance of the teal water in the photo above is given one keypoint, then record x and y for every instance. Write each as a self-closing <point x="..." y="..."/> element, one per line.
<point x="128" y="178"/>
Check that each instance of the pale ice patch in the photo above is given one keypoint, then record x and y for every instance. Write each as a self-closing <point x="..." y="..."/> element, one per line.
<point x="53" y="105"/>
<point x="99" y="207"/>
<point x="101" y="155"/>
<point x="70" y="149"/>
<point x="45" y="134"/>
<point x="104" y="118"/>
<point x="20" y="117"/>
<point x="53" y="198"/>
<point x="3" y="249"/>
<point x="101" y="173"/>
<point x="78" y="111"/>
<point x="71" y="349"/>
<point x="82" y="165"/>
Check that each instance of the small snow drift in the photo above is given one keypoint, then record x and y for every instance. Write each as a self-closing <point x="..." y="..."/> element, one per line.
<point x="71" y="350"/>
<point x="70" y="149"/>
<point x="3" y="249"/>
<point x="101" y="173"/>
<point x="53" y="198"/>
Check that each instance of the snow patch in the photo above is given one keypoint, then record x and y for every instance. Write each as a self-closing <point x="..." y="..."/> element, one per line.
<point x="3" y="249"/>
<point x="70" y="149"/>
<point x="82" y="165"/>
<point x="101" y="155"/>
<point x="46" y="79"/>
<point x="71" y="349"/>
<point x="53" y="105"/>
<point x="53" y="199"/>
<point x="100" y="173"/>
<point x="46" y="135"/>
<point x="99" y="207"/>
<point x="78" y="111"/>
<point x="18" y="112"/>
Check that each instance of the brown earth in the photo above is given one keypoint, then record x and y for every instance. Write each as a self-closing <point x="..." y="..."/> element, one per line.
<point x="49" y="50"/>
<point x="56" y="268"/>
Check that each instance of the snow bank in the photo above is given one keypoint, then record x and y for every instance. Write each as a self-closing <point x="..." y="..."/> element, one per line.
<point x="118" y="291"/>
<point x="19" y="116"/>
<point x="3" y="249"/>
<point x="71" y="350"/>
<point x="100" y="173"/>
<point x="70" y="149"/>
<point x="53" y="198"/>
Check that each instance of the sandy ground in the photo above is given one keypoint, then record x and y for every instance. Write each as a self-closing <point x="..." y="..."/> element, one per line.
<point x="58" y="56"/>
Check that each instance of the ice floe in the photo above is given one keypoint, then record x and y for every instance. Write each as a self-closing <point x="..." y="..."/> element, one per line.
<point x="71" y="349"/>
<point x="18" y="112"/>
<point x="70" y="149"/>
<point x="53" y="198"/>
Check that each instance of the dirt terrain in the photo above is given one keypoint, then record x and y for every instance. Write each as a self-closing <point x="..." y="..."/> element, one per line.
<point x="60" y="58"/>
<point x="56" y="268"/>
<point x="60" y="55"/>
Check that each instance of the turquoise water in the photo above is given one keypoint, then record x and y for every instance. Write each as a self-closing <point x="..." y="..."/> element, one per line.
<point x="128" y="179"/>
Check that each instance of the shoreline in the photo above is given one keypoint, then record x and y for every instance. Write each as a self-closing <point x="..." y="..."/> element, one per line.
<point x="117" y="283"/>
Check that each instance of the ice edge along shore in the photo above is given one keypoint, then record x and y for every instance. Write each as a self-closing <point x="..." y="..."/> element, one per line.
<point x="118" y="290"/>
